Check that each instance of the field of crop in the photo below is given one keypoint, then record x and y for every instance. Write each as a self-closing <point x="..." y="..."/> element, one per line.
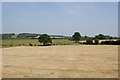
<point x="65" y="61"/>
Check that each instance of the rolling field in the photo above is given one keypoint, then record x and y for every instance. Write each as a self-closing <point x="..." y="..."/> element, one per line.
<point x="26" y="42"/>
<point x="34" y="42"/>
<point x="65" y="61"/>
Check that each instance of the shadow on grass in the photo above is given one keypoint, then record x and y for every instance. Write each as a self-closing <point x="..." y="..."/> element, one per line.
<point x="45" y="45"/>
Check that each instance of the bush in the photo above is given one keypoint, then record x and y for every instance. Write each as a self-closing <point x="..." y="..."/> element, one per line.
<point x="96" y="41"/>
<point x="89" y="41"/>
<point x="45" y="39"/>
<point x="111" y="42"/>
<point x="30" y="44"/>
<point x="11" y="45"/>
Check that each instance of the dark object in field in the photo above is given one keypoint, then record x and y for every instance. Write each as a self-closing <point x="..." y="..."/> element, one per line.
<point x="96" y="41"/>
<point x="89" y="41"/>
<point x="111" y="42"/>
<point x="76" y="37"/>
<point x="45" y="39"/>
<point x="30" y="44"/>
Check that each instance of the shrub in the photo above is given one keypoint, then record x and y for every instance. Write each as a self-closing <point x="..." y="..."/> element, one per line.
<point x="111" y="42"/>
<point x="30" y="44"/>
<point x="89" y="41"/>
<point x="11" y="45"/>
<point x="45" y="39"/>
<point x="96" y="41"/>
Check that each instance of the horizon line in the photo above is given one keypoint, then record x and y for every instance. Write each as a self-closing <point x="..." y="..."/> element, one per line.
<point x="56" y="34"/>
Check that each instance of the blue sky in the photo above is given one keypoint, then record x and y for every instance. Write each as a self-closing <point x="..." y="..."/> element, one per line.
<point x="63" y="18"/>
<point x="0" y="17"/>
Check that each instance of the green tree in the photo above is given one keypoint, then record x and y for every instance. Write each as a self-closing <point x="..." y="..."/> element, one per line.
<point x="100" y="36"/>
<point x="76" y="37"/>
<point x="96" y="41"/>
<point x="89" y="41"/>
<point x="45" y="39"/>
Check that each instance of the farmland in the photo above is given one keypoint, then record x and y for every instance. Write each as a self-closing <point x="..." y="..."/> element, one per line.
<point x="65" y="61"/>
<point x="59" y="39"/>
<point x="34" y="42"/>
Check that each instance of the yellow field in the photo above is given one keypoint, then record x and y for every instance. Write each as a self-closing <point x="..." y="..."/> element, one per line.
<point x="68" y="61"/>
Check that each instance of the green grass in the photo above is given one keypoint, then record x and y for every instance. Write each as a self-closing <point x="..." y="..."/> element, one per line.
<point x="19" y="42"/>
<point x="34" y="42"/>
<point x="62" y="42"/>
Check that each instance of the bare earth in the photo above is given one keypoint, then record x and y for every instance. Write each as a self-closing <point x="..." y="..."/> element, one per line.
<point x="70" y="61"/>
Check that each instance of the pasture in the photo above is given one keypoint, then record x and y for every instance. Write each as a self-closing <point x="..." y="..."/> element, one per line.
<point x="34" y="42"/>
<point x="27" y="42"/>
<point x="65" y="61"/>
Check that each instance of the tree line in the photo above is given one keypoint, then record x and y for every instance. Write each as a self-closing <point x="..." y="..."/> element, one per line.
<point x="35" y="36"/>
<point x="26" y="36"/>
<point x="45" y="39"/>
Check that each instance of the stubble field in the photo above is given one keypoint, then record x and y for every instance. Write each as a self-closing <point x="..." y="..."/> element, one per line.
<point x="65" y="61"/>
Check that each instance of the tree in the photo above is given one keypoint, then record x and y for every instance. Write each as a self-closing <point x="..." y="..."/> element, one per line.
<point x="89" y="41"/>
<point x="45" y="39"/>
<point x="85" y="37"/>
<point x="76" y="37"/>
<point x="96" y="41"/>
<point x="100" y="36"/>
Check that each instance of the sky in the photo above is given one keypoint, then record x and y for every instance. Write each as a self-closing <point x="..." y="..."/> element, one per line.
<point x="0" y="17"/>
<point x="62" y="18"/>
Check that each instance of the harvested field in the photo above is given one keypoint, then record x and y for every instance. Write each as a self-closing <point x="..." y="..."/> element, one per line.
<point x="68" y="61"/>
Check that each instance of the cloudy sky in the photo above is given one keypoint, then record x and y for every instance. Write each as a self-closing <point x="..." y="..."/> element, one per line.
<point x="64" y="18"/>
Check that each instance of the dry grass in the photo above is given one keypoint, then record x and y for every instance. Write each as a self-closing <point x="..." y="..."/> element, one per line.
<point x="70" y="61"/>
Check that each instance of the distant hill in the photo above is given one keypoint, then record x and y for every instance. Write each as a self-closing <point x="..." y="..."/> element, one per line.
<point x="35" y="36"/>
<point x="6" y="36"/>
<point x="27" y="36"/>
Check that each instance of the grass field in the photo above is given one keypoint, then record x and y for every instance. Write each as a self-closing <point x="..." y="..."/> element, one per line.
<point x="34" y="42"/>
<point x="65" y="61"/>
